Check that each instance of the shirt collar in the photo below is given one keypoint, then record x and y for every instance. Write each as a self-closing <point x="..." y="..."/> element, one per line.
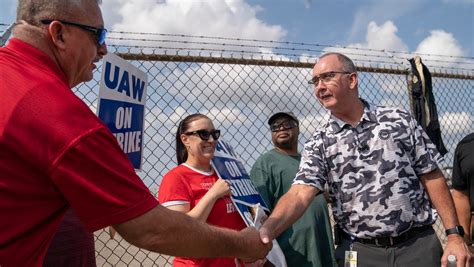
<point x="335" y="124"/>
<point x="33" y="54"/>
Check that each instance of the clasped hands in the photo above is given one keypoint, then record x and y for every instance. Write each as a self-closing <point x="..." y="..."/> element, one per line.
<point x="256" y="246"/>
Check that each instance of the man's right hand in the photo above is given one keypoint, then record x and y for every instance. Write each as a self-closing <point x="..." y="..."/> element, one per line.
<point x="254" y="249"/>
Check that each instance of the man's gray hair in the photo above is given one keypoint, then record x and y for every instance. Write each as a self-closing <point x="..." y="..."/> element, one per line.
<point x="32" y="11"/>
<point x="347" y="63"/>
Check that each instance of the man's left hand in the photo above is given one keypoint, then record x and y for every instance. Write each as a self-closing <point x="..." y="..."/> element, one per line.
<point x="457" y="247"/>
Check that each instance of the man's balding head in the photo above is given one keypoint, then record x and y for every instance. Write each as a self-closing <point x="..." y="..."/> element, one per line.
<point x="347" y="63"/>
<point x="70" y="32"/>
<point x="32" y="11"/>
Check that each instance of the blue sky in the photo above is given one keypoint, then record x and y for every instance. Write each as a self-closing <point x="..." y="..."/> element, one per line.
<point x="347" y="22"/>
<point x="424" y="26"/>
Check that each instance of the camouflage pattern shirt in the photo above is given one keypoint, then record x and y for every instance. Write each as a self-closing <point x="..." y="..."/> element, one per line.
<point x="372" y="171"/>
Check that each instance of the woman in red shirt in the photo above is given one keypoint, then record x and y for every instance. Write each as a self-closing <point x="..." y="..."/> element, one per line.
<point x="194" y="188"/>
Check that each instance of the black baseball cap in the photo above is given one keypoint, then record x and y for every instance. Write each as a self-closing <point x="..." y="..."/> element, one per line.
<point x="282" y="113"/>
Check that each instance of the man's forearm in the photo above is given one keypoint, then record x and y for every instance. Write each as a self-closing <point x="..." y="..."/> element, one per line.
<point x="173" y="233"/>
<point x="435" y="184"/>
<point x="289" y="208"/>
<point x="437" y="189"/>
<point x="463" y="210"/>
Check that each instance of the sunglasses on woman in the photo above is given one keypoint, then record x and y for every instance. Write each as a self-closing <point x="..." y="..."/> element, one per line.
<point x="205" y="134"/>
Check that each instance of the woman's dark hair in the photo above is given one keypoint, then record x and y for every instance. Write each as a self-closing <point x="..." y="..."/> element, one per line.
<point x="183" y="126"/>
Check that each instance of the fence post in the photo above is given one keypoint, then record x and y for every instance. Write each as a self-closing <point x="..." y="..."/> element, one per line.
<point x="6" y="35"/>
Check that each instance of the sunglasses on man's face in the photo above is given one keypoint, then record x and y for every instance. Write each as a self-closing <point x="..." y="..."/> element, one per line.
<point x="285" y="125"/>
<point x="205" y="134"/>
<point x="98" y="33"/>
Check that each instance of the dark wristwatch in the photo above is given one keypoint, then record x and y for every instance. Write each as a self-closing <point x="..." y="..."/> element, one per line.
<point x="456" y="230"/>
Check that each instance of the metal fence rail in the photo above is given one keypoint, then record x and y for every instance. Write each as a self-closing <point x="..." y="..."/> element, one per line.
<point x="238" y="83"/>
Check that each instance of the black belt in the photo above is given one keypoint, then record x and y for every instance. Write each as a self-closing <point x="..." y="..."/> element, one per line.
<point x="389" y="241"/>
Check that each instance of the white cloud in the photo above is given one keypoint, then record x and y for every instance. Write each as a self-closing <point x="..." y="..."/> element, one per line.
<point x="440" y="43"/>
<point x="228" y="83"/>
<point x="456" y="122"/>
<point x="383" y="37"/>
<point x="384" y="48"/>
<point x="379" y="10"/>
<point x="441" y="49"/>
<point x="378" y="40"/>
<point x="394" y="84"/>
<point x="229" y="18"/>
<point x="227" y="114"/>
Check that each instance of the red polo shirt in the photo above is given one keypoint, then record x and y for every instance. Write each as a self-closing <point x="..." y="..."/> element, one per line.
<point x="55" y="153"/>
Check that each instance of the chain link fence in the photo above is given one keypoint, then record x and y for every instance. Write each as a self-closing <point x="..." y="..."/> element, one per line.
<point x="239" y="96"/>
<point x="239" y="83"/>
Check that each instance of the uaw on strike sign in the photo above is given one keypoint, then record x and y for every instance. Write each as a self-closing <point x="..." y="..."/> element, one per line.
<point x="244" y="195"/>
<point x="243" y="192"/>
<point x="122" y="98"/>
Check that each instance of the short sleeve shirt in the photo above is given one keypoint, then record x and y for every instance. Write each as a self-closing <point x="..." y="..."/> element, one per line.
<point x="372" y="171"/>
<point x="187" y="185"/>
<point x="463" y="167"/>
<point x="308" y="241"/>
<point x="55" y="154"/>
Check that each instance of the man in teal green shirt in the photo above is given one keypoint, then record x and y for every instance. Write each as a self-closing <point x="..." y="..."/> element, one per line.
<point x="308" y="242"/>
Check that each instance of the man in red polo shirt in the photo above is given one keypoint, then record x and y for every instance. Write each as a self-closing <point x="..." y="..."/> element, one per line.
<point x="55" y="153"/>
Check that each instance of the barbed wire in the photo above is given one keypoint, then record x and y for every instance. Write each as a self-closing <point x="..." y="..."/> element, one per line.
<point x="240" y="40"/>
<point x="385" y="61"/>
<point x="220" y="52"/>
<point x="285" y="42"/>
<point x="224" y="48"/>
<point x="272" y="48"/>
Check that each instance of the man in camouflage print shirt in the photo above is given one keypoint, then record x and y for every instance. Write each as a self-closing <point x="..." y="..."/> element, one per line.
<point x="383" y="177"/>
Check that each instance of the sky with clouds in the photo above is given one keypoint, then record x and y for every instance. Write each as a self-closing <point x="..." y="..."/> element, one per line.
<point x="441" y="27"/>
<point x="424" y="26"/>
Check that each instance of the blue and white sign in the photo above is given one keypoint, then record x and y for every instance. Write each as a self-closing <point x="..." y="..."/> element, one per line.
<point x="243" y="192"/>
<point x="122" y="98"/>
<point x="245" y="196"/>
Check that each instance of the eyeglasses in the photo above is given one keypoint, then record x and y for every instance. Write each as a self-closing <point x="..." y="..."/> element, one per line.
<point x="326" y="77"/>
<point x="205" y="134"/>
<point x="285" y="125"/>
<point x="99" y="33"/>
